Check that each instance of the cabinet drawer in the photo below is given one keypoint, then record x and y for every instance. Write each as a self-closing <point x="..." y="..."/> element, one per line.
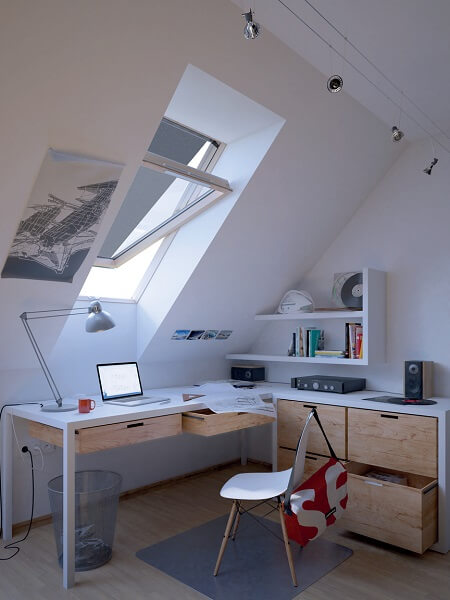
<point x="394" y="440"/>
<point x="104" y="437"/>
<point x="312" y="462"/>
<point x="402" y="515"/>
<point x="292" y="416"/>
<point x="205" y="422"/>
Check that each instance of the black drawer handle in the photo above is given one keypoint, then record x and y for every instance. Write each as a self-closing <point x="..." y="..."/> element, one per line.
<point x="130" y="425"/>
<point x="389" y="416"/>
<point x="310" y="406"/>
<point x="311" y="457"/>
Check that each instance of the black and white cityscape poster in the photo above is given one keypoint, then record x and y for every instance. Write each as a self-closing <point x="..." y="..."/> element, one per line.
<point x="61" y="220"/>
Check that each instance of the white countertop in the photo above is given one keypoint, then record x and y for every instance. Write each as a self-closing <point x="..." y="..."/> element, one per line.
<point x="357" y="400"/>
<point x="105" y="413"/>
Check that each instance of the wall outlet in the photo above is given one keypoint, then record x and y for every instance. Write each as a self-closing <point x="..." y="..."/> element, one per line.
<point x="34" y="445"/>
<point x="47" y="448"/>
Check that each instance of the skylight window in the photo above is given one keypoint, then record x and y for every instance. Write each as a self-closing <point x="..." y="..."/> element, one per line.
<point x="172" y="186"/>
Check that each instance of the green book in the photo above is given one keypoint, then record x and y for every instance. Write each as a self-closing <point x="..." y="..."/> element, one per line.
<point x="314" y="336"/>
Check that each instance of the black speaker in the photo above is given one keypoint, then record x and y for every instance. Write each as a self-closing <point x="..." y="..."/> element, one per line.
<point x="248" y="373"/>
<point x="418" y="379"/>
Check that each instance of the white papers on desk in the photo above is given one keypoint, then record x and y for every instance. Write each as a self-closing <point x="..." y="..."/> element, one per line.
<point x="248" y="404"/>
<point x="238" y="402"/>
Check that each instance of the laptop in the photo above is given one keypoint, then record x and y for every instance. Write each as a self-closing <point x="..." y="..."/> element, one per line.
<point x="120" y="383"/>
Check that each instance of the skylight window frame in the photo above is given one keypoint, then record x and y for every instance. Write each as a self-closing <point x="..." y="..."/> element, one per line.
<point x="218" y="188"/>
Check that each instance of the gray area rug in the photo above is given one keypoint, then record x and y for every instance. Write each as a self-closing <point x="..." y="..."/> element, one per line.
<point x="254" y="566"/>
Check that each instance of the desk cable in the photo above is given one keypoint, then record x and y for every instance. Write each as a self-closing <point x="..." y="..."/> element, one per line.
<point x="13" y="545"/>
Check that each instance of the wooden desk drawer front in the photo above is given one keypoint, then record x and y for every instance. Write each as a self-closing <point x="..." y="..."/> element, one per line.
<point x="394" y="440"/>
<point x="104" y="437"/>
<point x="292" y="416"/>
<point x="402" y="515"/>
<point x="205" y="422"/>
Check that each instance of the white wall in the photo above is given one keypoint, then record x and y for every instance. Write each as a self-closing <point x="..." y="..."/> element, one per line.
<point x="96" y="77"/>
<point x="402" y="228"/>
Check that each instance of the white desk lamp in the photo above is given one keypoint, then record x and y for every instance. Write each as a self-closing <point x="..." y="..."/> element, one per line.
<point x="98" y="320"/>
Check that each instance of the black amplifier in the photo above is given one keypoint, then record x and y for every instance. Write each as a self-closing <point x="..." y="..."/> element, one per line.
<point x="328" y="383"/>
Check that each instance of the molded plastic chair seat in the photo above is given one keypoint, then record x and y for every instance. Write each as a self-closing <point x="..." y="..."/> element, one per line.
<point x="264" y="487"/>
<point x="256" y="486"/>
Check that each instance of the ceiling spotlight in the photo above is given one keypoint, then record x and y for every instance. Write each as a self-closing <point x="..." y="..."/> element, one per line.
<point x="430" y="168"/>
<point x="335" y="84"/>
<point x="251" y="29"/>
<point x="396" y="134"/>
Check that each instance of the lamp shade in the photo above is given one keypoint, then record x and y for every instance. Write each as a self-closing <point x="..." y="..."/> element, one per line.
<point x="98" y="319"/>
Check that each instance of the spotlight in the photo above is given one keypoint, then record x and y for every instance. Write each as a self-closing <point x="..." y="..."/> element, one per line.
<point x="428" y="170"/>
<point x="251" y="29"/>
<point x="396" y="134"/>
<point x="335" y="84"/>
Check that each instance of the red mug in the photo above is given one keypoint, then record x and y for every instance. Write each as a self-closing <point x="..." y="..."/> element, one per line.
<point x="85" y="405"/>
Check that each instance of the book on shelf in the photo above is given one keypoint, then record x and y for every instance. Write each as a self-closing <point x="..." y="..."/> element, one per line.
<point x="353" y="340"/>
<point x="331" y="353"/>
<point x="306" y="341"/>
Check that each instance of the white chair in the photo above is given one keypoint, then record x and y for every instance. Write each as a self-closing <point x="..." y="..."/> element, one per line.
<point x="263" y="487"/>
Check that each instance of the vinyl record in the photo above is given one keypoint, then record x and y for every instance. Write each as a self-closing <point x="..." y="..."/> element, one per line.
<point x="352" y="291"/>
<point x="411" y="401"/>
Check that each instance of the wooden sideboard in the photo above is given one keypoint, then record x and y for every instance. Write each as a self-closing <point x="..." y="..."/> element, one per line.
<point x="402" y="515"/>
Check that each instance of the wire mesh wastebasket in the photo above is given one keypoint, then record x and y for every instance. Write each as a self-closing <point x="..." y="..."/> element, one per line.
<point x="96" y="501"/>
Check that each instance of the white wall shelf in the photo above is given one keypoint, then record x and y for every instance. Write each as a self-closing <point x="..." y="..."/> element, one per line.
<point x="298" y="359"/>
<point x="313" y="316"/>
<point x="372" y="318"/>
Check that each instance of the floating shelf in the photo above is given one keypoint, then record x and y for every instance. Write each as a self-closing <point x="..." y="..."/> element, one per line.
<point x="372" y="319"/>
<point x="298" y="359"/>
<point x="313" y="316"/>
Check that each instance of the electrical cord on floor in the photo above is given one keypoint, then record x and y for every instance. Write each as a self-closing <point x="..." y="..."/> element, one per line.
<point x="13" y="545"/>
<point x="25" y="449"/>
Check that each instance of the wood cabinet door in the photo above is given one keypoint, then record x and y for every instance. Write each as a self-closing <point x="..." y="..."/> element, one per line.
<point x="394" y="440"/>
<point x="292" y="416"/>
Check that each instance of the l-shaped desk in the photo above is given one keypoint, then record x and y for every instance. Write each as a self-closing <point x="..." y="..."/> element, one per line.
<point x="111" y="426"/>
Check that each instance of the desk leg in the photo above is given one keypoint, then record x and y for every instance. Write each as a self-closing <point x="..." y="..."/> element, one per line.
<point x="68" y="506"/>
<point x="7" y="475"/>
<point x="244" y="445"/>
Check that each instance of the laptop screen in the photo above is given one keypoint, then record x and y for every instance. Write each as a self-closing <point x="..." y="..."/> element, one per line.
<point x="118" y="380"/>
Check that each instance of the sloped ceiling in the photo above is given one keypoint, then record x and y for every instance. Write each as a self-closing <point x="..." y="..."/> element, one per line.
<point x="96" y="78"/>
<point x="406" y="39"/>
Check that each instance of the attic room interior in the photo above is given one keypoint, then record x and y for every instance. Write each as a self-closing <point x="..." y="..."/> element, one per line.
<point x="247" y="202"/>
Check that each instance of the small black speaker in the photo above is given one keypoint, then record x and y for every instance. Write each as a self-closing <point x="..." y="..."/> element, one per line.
<point x="418" y="379"/>
<point x="248" y="373"/>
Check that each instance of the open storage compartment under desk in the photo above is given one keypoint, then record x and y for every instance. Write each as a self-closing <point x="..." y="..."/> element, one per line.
<point x="206" y="422"/>
<point x="404" y="515"/>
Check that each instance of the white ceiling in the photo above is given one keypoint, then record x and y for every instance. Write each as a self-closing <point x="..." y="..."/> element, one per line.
<point x="407" y="39"/>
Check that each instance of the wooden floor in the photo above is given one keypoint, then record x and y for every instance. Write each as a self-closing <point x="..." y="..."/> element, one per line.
<point x="374" y="572"/>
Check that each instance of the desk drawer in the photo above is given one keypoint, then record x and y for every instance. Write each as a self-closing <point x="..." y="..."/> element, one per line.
<point x="312" y="462"/>
<point x="292" y="416"/>
<point x="403" y="515"/>
<point x="104" y="437"/>
<point x="205" y="422"/>
<point x="394" y="440"/>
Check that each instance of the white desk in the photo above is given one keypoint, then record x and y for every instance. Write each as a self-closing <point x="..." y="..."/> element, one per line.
<point x="68" y="423"/>
<point x="108" y="414"/>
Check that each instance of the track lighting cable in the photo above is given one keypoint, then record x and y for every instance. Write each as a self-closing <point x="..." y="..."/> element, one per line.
<point x="377" y="69"/>
<point x="363" y="75"/>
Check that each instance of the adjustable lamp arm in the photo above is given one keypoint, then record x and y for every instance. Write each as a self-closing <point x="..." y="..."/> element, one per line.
<point x="98" y="320"/>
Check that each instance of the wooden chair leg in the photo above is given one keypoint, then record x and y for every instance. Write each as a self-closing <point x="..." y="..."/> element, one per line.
<point x="287" y="546"/>
<point x="236" y="522"/>
<point x="226" y="536"/>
